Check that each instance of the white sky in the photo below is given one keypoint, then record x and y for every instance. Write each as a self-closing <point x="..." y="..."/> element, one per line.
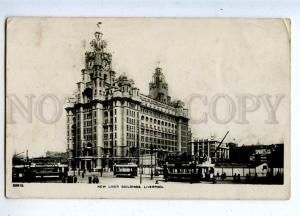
<point x="198" y="56"/>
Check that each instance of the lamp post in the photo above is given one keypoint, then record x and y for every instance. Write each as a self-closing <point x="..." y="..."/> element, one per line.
<point x="141" y="166"/>
<point x="140" y="154"/>
<point x="74" y="170"/>
<point x="151" y="153"/>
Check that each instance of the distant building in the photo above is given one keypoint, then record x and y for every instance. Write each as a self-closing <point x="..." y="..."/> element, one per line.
<point x="271" y="154"/>
<point x="109" y="119"/>
<point x="262" y="153"/>
<point x="56" y="154"/>
<point x="210" y="147"/>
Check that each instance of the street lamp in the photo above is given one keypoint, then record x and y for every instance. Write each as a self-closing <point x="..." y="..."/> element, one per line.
<point x="141" y="165"/>
<point x="151" y="153"/>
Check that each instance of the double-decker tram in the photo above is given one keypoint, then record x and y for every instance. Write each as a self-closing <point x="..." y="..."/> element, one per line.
<point x="188" y="168"/>
<point x="191" y="172"/>
<point x="125" y="170"/>
<point x="38" y="172"/>
<point x="49" y="171"/>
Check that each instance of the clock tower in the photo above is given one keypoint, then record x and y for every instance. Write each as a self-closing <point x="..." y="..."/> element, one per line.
<point x="98" y="61"/>
<point x="158" y="88"/>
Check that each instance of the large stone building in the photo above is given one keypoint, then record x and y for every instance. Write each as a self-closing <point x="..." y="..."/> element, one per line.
<point x="109" y="119"/>
<point x="210" y="147"/>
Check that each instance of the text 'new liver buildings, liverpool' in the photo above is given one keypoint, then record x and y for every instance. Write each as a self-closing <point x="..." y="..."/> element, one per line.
<point x="109" y="119"/>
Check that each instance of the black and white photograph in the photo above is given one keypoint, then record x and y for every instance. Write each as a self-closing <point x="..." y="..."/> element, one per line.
<point x="148" y="108"/>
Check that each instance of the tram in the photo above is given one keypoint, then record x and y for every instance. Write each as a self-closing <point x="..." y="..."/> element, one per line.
<point x="38" y="172"/>
<point x="192" y="172"/>
<point x="125" y="170"/>
<point x="185" y="168"/>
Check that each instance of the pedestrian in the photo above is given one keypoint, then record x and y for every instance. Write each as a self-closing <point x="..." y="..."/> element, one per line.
<point x="101" y="171"/>
<point x="214" y="180"/>
<point x="218" y="175"/>
<point x="234" y="177"/>
<point x="96" y="180"/>
<point x="222" y="176"/>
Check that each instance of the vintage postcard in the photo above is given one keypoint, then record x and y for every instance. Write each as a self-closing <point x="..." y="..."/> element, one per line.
<point x="148" y="108"/>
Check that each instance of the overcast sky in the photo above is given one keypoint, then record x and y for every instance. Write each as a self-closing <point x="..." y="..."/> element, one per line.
<point x="198" y="57"/>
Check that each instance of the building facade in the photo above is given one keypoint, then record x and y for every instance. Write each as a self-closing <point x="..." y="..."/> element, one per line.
<point x="109" y="119"/>
<point x="210" y="148"/>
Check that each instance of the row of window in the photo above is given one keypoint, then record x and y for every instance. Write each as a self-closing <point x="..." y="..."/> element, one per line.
<point x="87" y="123"/>
<point x="130" y="120"/>
<point x="131" y="113"/>
<point x="161" y="135"/>
<point x="107" y="122"/>
<point x="169" y="146"/>
<point x="87" y="115"/>
<point x="130" y="128"/>
<point x="127" y="104"/>
<point x="88" y="137"/>
<point x="157" y="121"/>
<point x="110" y="144"/>
<point x="109" y="128"/>
<point x="157" y="128"/>
<point x="157" y="114"/>
<point x="110" y="135"/>
<point x="159" y="141"/>
<point x="87" y="130"/>
<point x="164" y="147"/>
<point x="130" y="136"/>
<point x="130" y="143"/>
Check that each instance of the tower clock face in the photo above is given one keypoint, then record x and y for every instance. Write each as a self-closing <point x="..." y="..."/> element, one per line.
<point x="105" y="64"/>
